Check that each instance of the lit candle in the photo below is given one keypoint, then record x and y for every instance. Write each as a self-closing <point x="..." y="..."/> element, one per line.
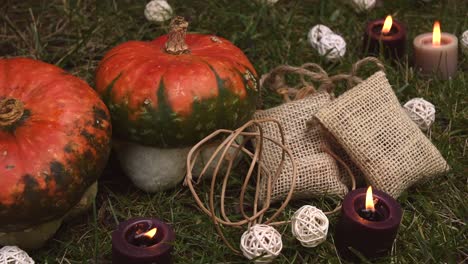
<point x="369" y="224"/>
<point x="386" y="35"/>
<point x="142" y="241"/>
<point x="436" y="53"/>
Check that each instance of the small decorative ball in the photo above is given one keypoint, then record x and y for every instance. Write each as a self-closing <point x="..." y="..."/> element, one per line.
<point x="158" y="11"/>
<point x="332" y="46"/>
<point x="363" y="5"/>
<point x="421" y="112"/>
<point x="309" y="225"/>
<point x="464" y="42"/>
<point x="316" y="33"/>
<point x="14" y="255"/>
<point x="261" y="240"/>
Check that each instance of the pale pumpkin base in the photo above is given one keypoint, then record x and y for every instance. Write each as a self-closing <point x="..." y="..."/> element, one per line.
<point x="156" y="169"/>
<point x="84" y="204"/>
<point x="36" y="236"/>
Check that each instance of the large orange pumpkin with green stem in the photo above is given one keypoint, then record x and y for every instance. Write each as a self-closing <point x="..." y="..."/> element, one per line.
<point x="54" y="142"/>
<point x="176" y="89"/>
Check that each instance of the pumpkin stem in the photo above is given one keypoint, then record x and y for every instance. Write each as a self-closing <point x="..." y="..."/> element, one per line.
<point x="11" y="110"/>
<point x="176" y="40"/>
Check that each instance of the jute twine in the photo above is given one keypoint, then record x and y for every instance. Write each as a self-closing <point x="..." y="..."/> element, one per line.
<point x="10" y="111"/>
<point x="310" y="73"/>
<point x="223" y="149"/>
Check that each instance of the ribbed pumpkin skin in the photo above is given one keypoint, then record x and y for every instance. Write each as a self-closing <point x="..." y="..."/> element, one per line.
<point x="56" y="150"/>
<point x="165" y="100"/>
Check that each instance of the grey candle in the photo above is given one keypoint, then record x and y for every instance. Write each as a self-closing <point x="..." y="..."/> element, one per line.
<point x="436" y="53"/>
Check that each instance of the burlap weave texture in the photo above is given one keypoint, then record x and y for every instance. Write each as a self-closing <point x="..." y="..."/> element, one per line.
<point x="317" y="172"/>
<point x="371" y="126"/>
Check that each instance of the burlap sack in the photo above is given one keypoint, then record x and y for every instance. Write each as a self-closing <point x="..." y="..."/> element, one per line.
<point x="317" y="172"/>
<point x="371" y="126"/>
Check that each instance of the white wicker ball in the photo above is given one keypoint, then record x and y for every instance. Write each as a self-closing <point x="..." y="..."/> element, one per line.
<point x="309" y="225"/>
<point x="326" y="42"/>
<point x="261" y="240"/>
<point x="421" y="112"/>
<point x="316" y="33"/>
<point x="332" y="46"/>
<point x="158" y="11"/>
<point x="14" y="255"/>
<point x="363" y="5"/>
<point x="464" y="42"/>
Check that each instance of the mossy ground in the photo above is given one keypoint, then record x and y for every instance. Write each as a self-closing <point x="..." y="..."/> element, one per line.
<point x="75" y="34"/>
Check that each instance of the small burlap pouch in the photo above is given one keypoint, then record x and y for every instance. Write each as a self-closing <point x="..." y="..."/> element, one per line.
<point x="317" y="172"/>
<point x="368" y="122"/>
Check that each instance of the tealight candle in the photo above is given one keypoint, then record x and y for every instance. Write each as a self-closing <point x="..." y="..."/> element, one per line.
<point x="436" y="53"/>
<point x="142" y="241"/>
<point x="369" y="224"/>
<point x="389" y="35"/>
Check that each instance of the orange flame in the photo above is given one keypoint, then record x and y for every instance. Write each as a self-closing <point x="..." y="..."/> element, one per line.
<point x="387" y="25"/>
<point x="151" y="233"/>
<point x="370" y="200"/>
<point x="436" y="34"/>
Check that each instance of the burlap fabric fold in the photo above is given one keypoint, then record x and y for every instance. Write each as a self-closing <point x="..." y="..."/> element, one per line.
<point x="317" y="172"/>
<point x="371" y="126"/>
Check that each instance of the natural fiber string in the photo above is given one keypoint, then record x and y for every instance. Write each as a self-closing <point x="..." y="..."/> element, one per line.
<point x="10" y="111"/>
<point x="223" y="148"/>
<point x="275" y="79"/>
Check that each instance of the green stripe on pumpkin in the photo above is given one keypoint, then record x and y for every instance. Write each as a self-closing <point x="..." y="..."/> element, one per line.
<point x="162" y="127"/>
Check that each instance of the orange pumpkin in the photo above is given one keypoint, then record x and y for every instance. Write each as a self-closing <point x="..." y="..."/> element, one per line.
<point x="176" y="89"/>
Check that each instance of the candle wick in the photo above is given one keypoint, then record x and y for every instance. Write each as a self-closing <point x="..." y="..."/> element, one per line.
<point x="142" y="234"/>
<point x="137" y="236"/>
<point x="384" y="33"/>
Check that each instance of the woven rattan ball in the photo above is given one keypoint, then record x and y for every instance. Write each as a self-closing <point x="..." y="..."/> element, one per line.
<point x="158" y="11"/>
<point x="14" y="255"/>
<point x="363" y="5"/>
<point x="464" y="42"/>
<point x="316" y="33"/>
<point x="421" y="112"/>
<point x="261" y="240"/>
<point x="332" y="46"/>
<point x="309" y="225"/>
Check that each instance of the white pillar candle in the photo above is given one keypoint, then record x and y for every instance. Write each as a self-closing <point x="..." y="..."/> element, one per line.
<point x="432" y="57"/>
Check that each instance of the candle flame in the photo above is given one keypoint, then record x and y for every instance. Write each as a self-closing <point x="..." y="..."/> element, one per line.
<point x="436" y="34"/>
<point x="370" y="200"/>
<point x="151" y="233"/>
<point x="387" y="24"/>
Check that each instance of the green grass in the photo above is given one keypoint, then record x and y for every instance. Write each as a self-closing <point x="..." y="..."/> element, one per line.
<point x="75" y="34"/>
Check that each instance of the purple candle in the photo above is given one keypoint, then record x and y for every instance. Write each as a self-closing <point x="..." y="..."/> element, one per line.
<point x="369" y="231"/>
<point x="389" y="35"/>
<point x="142" y="241"/>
